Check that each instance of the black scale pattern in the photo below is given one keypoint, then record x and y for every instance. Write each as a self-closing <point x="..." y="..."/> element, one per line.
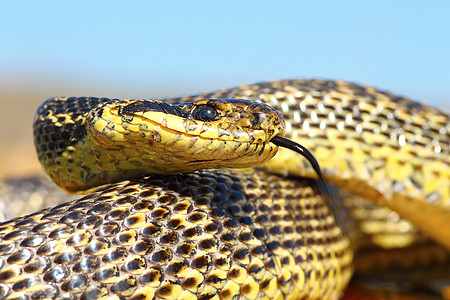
<point x="52" y="128"/>
<point x="202" y="234"/>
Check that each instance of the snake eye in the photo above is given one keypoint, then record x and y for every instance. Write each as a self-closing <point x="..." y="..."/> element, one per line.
<point x="255" y="119"/>
<point x="205" y="113"/>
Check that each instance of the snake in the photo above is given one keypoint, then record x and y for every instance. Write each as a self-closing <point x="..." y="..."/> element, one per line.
<point x="202" y="197"/>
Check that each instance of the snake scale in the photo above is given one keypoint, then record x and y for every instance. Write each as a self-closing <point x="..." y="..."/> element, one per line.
<point x="273" y="232"/>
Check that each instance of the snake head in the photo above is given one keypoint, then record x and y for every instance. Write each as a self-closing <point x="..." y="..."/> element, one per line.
<point x="168" y="139"/>
<point x="123" y="139"/>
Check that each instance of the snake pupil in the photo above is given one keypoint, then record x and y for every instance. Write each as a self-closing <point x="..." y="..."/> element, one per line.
<point x="205" y="113"/>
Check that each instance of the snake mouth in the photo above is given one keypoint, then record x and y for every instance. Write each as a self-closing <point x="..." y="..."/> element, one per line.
<point x="288" y="144"/>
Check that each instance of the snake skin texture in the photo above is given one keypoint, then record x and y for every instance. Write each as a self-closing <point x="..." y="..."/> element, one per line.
<point x="201" y="236"/>
<point x="246" y="234"/>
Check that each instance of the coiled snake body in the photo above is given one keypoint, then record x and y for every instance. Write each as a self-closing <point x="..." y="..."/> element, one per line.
<point x="222" y="234"/>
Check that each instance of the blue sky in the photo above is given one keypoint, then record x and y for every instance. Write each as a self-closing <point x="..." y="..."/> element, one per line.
<point x="165" y="48"/>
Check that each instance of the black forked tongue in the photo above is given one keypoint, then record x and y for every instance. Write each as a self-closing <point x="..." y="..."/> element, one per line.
<point x="286" y="143"/>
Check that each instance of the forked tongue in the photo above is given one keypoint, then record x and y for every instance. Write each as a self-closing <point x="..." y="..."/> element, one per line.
<point x="286" y="143"/>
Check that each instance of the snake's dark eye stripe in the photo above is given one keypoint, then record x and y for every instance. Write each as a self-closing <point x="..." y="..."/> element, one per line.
<point x="145" y="106"/>
<point x="169" y="109"/>
<point x="205" y="113"/>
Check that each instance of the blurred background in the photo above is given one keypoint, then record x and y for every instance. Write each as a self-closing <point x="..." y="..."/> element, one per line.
<point x="157" y="49"/>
